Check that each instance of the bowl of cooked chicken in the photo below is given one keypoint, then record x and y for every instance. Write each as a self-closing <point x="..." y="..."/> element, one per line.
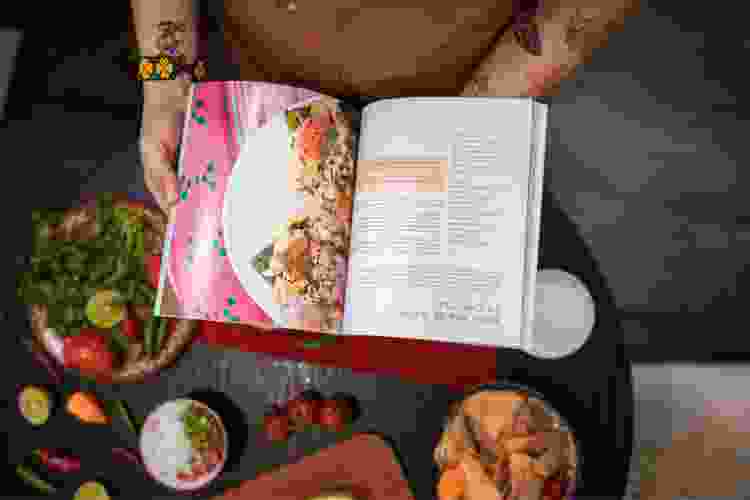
<point x="504" y="441"/>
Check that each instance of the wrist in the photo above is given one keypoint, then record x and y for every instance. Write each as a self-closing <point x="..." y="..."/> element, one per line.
<point x="166" y="93"/>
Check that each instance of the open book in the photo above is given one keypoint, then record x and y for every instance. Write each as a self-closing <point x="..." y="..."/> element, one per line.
<point x="415" y="218"/>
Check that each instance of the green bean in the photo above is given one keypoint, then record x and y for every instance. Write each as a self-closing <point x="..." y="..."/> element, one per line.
<point x="148" y="334"/>
<point x="160" y="335"/>
<point x="120" y="341"/>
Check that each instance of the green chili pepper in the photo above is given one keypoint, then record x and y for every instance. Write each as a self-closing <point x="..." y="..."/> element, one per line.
<point x="30" y="478"/>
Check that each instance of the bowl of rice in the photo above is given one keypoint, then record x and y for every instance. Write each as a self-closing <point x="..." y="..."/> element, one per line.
<point x="184" y="444"/>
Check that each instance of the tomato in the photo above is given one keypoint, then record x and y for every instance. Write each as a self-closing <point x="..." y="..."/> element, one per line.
<point x="153" y="269"/>
<point x="199" y="469"/>
<point x="333" y="415"/>
<point x="213" y="457"/>
<point x="185" y="476"/>
<point x="88" y="352"/>
<point x="276" y="427"/>
<point x="131" y="328"/>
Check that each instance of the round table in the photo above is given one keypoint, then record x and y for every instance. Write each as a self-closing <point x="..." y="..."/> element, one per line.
<point x="592" y="388"/>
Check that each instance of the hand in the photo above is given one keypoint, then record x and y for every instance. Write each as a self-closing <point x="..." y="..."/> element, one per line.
<point x="164" y="105"/>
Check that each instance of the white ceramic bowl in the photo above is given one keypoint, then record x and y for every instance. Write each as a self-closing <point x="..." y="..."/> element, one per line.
<point x="164" y="447"/>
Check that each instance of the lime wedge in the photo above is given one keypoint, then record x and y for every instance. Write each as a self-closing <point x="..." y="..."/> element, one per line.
<point x="91" y="490"/>
<point x="104" y="309"/>
<point x="35" y="405"/>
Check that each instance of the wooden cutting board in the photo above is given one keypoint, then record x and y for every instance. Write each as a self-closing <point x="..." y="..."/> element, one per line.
<point x="365" y="463"/>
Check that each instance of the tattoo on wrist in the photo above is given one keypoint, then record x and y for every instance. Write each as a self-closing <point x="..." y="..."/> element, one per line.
<point x="170" y="61"/>
<point x="169" y="40"/>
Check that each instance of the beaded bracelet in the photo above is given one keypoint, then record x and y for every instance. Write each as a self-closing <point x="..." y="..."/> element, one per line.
<point x="166" y="67"/>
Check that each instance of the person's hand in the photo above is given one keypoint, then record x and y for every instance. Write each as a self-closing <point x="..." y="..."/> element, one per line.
<point x="164" y="104"/>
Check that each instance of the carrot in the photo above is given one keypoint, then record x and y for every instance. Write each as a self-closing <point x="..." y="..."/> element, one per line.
<point x="452" y="484"/>
<point x="86" y="408"/>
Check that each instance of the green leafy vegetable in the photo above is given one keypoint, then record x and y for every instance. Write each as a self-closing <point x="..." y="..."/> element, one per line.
<point x="63" y="275"/>
<point x="119" y="341"/>
<point x="262" y="263"/>
<point x="195" y="424"/>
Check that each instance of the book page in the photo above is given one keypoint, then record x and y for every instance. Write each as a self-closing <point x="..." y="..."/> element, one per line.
<point x="439" y="239"/>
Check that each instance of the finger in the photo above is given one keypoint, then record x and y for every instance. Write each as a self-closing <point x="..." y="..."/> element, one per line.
<point x="168" y="186"/>
<point x="164" y="170"/>
<point x="153" y="186"/>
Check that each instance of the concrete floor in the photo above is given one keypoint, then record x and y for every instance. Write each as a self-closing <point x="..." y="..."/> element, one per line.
<point x="657" y="198"/>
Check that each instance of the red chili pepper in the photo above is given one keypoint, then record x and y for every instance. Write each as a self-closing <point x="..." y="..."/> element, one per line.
<point x="44" y="360"/>
<point x="56" y="461"/>
<point x="124" y="455"/>
<point x="131" y="328"/>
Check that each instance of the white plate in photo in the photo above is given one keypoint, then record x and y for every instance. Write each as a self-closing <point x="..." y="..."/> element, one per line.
<point x="257" y="200"/>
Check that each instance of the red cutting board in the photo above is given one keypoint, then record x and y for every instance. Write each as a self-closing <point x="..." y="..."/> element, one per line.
<point x="379" y="477"/>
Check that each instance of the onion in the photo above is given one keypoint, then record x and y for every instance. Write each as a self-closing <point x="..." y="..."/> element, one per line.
<point x="54" y="345"/>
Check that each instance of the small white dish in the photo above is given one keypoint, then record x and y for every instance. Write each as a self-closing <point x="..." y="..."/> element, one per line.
<point x="564" y="314"/>
<point x="166" y="450"/>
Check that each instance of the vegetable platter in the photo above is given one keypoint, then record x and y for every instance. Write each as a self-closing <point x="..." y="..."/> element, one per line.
<point x="91" y="283"/>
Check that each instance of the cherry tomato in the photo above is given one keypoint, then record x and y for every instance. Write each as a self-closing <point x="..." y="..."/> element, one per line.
<point x="88" y="352"/>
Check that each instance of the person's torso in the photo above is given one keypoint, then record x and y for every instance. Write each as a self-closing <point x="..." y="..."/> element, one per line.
<point x="352" y="47"/>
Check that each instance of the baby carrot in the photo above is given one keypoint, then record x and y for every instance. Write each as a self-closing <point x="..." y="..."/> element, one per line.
<point x="86" y="408"/>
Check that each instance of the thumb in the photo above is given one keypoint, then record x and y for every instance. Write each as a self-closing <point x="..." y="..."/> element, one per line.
<point x="167" y="178"/>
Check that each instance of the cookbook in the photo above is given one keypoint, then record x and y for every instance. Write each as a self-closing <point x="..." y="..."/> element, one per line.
<point x="409" y="218"/>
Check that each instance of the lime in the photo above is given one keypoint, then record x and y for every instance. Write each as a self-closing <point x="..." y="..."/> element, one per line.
<point x="104" y="309"/>
<point x="35" y="405"/>
<point x="91" y="490"/>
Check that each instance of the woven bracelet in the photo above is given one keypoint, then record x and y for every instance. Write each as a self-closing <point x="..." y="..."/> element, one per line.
<point x="165" y="67"/>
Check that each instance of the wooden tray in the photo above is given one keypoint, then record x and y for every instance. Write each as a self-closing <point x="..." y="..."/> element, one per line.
<point x="365" y="463"/>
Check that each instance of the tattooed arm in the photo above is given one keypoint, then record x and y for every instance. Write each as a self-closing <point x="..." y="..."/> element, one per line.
<point x="164" y="26"/>
<point x="544" y="45"/>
